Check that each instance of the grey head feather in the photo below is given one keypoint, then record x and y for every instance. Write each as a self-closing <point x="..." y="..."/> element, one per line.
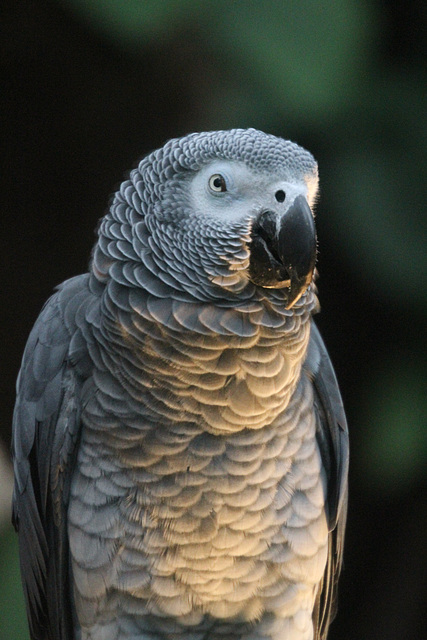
<point x="177" y="244"/>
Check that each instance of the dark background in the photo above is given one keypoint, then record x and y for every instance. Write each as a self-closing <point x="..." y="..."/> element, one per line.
<point x="90" y="87"/>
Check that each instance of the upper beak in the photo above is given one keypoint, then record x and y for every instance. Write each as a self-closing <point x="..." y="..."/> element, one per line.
<point x="283" y="250"/>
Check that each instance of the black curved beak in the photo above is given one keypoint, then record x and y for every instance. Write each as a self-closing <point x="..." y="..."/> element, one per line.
<point x="283" y="250"/>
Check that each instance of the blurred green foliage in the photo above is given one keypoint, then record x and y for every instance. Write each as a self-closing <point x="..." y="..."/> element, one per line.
<point x="310" y="56"/>
<point x="392" y="425"/>
<point x="13" y="620"/>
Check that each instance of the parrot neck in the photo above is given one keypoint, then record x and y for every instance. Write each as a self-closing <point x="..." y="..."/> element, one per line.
<point x="224" y="369"/>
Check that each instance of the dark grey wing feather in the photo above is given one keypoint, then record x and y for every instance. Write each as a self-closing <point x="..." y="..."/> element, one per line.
<point x="332" y="438"/>
<point x="45" y="432"/>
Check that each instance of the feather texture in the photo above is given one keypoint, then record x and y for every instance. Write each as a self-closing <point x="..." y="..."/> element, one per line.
<point x="180" y="444"/>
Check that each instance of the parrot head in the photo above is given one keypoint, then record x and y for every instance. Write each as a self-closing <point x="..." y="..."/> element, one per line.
<point x="222" y="213"/>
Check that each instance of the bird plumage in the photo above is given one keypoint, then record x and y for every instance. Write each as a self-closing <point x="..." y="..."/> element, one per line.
<point x="180" y="445"/>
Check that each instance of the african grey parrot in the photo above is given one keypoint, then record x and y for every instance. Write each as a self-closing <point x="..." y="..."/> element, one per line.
<point x="180" y="445"/>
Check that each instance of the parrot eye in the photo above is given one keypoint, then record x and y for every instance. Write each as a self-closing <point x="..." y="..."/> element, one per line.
<point x="217" y="183"/>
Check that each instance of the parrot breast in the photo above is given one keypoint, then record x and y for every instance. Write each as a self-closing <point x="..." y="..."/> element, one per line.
<point x="198" y="492"/>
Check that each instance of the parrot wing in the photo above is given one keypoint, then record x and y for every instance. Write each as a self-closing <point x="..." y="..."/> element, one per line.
<point x="45" y="434"/>
<point x="332" y="439"/>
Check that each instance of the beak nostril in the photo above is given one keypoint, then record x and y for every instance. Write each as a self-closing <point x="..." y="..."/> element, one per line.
<point x="280" y="195"/>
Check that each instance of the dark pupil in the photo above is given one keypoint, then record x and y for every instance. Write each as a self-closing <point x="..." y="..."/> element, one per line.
<point x="280" y="195"/>
<point x="218" y="183"/>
